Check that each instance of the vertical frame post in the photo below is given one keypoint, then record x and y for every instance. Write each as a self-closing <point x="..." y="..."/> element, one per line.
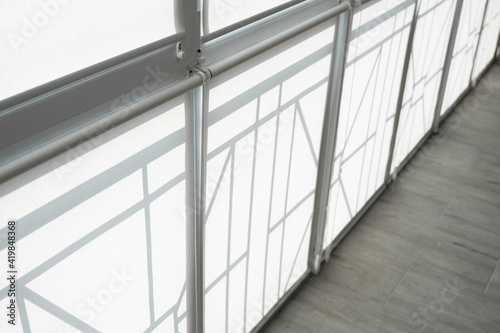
<point x="447" y="65"/>
<point x="329" y="138"/>
<point x="196" y="152"/>
<point x="188" y="19"/>
<point x="402" y="88"/>
<point x="471" y="80"/>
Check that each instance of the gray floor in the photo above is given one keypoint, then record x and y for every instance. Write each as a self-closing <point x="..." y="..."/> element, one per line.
<point x="425" y="258"/>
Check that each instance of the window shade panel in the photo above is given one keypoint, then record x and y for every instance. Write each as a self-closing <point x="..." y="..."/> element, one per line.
<point x="424" y="75"/>
<point x="265" y="124"/>
<point x="489" y="38"/>
<point x="101" y="230"/>
<point x="46" y="40"/>
<point x="464" y="51"/>
<point x="370" y="91"/>
<point x="223" y="13"/>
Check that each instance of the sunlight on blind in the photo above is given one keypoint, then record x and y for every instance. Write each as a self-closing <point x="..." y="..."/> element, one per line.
<point x="489" y="38"/>
<point x="371" y="86"/>
<point x="45" y="40"/>
<point x="424" y="75"/>
<point x="222" y="13"/>
<point x="101" y="230"/>
<point x="263" y="146"/>
<point x="464" y="51"/>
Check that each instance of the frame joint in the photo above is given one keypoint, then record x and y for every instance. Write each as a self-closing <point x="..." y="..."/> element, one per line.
<point x="352" y="3"/>
<point x="204" y="73"/>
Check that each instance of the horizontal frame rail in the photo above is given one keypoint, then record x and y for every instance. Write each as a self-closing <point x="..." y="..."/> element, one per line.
<point x="20" y="164"/>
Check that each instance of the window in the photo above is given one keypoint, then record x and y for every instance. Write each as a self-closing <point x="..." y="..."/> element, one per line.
<point x="45" y="40"/>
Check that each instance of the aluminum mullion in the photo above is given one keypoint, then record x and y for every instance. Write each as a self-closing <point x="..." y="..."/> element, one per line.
<point x="203" y="141"/>
<point x="329" y="138"/>
<point x="195" y="173"/>
<point x="196" y="130"/>
<point x="402" y="89"/>
<point x="447" y="65"/>
<point x="471" y="81"/>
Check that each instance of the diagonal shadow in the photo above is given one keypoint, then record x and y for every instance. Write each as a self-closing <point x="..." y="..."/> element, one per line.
<point x="297" y="109"/>
<point x="56" y="311"/>
<point x="230" y="153"/>
<point x="50" y="211"/>
<point x="149" y="254"/>
<point x="275" y="152"/>
<point x="306" y="131"/>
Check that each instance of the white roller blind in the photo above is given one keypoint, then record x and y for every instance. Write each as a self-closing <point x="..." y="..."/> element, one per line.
<point x="370" y="91"/>
<point x="222" y="13"/>
<point x="489" y="38"/>
<point x="45" y="40"/>
<point x="464" y="51"/>
<point x="424" y="75"/>
<point x="265" y="126"/>
<point x="101" y="231"/>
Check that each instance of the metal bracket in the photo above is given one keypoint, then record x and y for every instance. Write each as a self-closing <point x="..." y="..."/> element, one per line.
<point x="180" y="52"/>
<point x="204" y="73"/>
<point x="201" y="58"/>
<point x="317" y="264"/>
<point x="328" y="252"/>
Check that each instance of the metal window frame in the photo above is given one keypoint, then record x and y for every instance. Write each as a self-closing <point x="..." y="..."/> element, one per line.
<point x="68" y="115"/>
<point x="314" y="260"/>
<point x="329" y="139"/>
<point x="37" y="117"/>
<point x="196" y="125"/>
<point x="429" y="134"/>
<point x="239" y="40"/>
<point x="38" y="144"/>
<point x="399" y="105"/>
<point x="438" y="120"/>
<point x="211" y="35"/>
<point x="471" y="79"/>
<point x="196" y="152"/>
